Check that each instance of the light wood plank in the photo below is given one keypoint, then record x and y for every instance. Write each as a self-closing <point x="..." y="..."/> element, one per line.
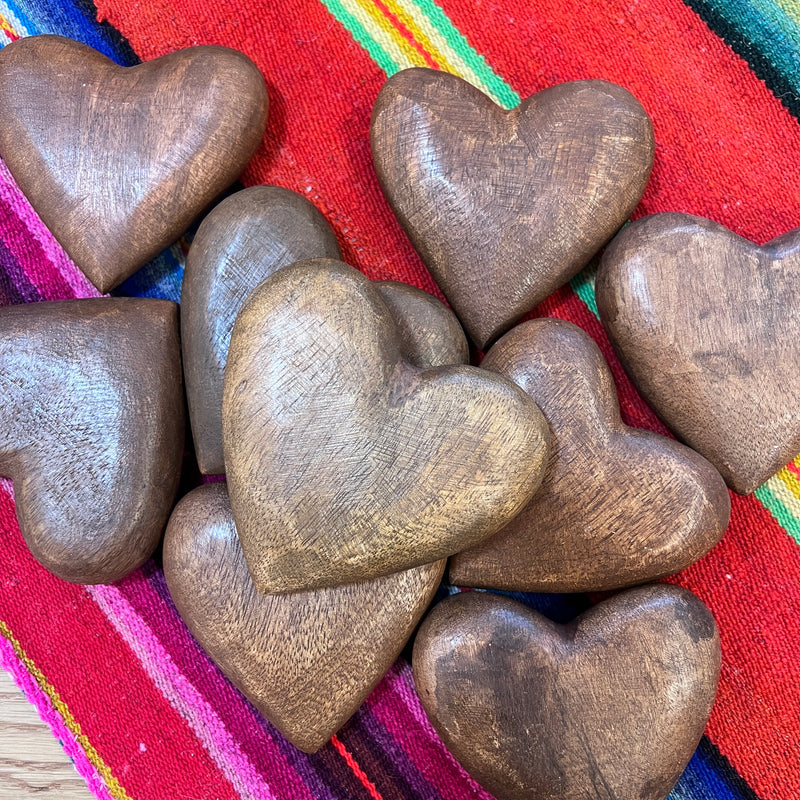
<point x="32" y="763"/>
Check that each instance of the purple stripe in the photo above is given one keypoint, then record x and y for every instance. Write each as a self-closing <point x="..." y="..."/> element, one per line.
<point x="14" y="282"/>
<point x="147" y="593"/>
<point x="393" y="704"/>
<point x="320" y="771"/>
<point x="394" y="762"/>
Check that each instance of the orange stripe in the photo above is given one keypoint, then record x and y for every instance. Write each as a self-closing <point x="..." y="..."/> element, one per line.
<point x="7" y="29"/>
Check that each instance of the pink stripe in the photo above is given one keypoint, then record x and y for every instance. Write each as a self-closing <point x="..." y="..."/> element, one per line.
<point x="393" y="702"/>
<point x="35" y="695"/>
<point x="53" y="272"/>
<point x="243" y="722"/>
<point x="181" y="694"/>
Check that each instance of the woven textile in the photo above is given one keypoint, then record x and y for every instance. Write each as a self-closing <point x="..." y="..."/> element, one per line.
<point x="137" y="705"/>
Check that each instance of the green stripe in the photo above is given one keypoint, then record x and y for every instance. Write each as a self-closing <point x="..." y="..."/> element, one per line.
<point x="583" y="286"/>
<point x="782" y="515"/>
<point x="501" y="90"/>
<point x="360" y="34"/>
<point x="583" y="283"/>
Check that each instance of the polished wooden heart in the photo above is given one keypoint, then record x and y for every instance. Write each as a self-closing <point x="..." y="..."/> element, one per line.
<point x="611" y="706"/>
<point x="118" y="161"/>
<point x="506" y="206"/>
<point x="306" y="660"/>
<point x="345" y="461"/>
<point x="91" y="430"/>
<point x="707" y="325"/>
<point x="429" y="332"/>
<point x="617" y="506"/>
<point x="246" y="238"/>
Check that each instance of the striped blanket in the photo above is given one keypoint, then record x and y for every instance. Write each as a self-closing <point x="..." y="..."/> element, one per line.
<point x="141" y="710"/>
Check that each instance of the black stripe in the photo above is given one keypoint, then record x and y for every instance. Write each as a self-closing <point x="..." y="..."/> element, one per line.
<point x="776" y="81"/>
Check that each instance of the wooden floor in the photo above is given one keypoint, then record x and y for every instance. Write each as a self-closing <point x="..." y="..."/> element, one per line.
<point x="32" y="763"/>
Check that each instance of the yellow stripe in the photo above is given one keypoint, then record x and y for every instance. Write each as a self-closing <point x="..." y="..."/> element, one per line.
<point x="789" y="480"/>
<point x="379" y="28"/>
<point x="425" y="41"/>
<point x="94" y="757"/>
<point x="433" y="41"/>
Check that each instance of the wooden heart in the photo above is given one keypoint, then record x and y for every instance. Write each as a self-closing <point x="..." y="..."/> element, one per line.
<point x="306" y="660"/>
<point x="429" y="333"/>
<point x="506" y="206"/>
<point x="118" y="161"/>
<point x="617" y="506"/>
<point x="346" y="462"/>
<point x="91" y="430"/>
<point x="707" y="325"/>
<point x="246" y="238"/>
<point x="611" y="706"/>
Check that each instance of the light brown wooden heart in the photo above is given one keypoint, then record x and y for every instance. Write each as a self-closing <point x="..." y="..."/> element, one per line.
<point x="506" y="206"/>
<point x="707" y="325"/>
<point x="118" y="161"/>
<point x="612" y="705"/>
<point x="246" y="238"/>
<point x="617" y="506"/>
<point x="346" y="462"/>
<point x="91" y="430"/>
<point x="306" y="660"/>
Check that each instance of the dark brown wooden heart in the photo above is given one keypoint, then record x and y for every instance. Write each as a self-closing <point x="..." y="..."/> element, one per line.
<point x="246" y="238"/>
<point x="118" y="161"/>
<point x="344" y="461"/>
<point x="707" y="325"/>
<point x="506" y="206"/>
<point x="306" y="660"/>
<point x="92" y="428"/>
<point x="611" y="706"/>
<point x="617" y="506"/>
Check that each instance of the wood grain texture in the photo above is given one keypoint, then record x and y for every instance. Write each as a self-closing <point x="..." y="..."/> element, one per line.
<point x="32" y="763"/>
<point x="617" y="506"/>
<point x="429" y="333"/>
<point x="506" y="206"/>
<point x="707" y="325"/>
<point x="306" y="660"/>
<point x="345" y="462"/>
<point x="118" y="161"/>
<point x="246" y="238"/>
<point x="610" y="706"/>
<point x="91" y="430"/>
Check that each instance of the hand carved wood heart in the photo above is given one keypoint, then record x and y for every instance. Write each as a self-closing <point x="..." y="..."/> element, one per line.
<point x="118" y="161"/>
<point x="506" y="206"/>
<point x="345" y="462"/>
<point x="246" y="238"/>
<point x="706" y="323"/>
<point x="91" y="430"/>
<point x="306" y="660"/>
<point x="617" y="506"/>
<point x="429" y="333"/>
<point x="612" y="705"/>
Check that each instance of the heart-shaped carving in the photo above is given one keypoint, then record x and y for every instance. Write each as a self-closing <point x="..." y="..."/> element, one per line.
<point x="118" y="161"/>
<point x="91" y="430"/>
<point x="429" y="333"/>
<point x="306" y="660"/>
<point x="346" y="462"/>
<point x="506" y="206"/>
<point x="612" y="705"/>
<point x="617" y="506"/>
<point x="246" y="238"/>
<point x="705" y="322"/>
